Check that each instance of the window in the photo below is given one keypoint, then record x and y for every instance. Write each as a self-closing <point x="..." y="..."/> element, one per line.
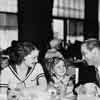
<point x="8" y="6"/>
<point x="69" y="8"/>
<point x="8" y="22"/>
<point x="68" y="18"/>
<point x="58" y="28"/>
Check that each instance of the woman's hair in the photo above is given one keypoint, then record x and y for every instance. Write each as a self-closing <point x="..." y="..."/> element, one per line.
<point x="18" y="51"/>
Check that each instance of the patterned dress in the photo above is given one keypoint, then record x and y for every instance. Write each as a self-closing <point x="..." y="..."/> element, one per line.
<point x="64" y="87"/>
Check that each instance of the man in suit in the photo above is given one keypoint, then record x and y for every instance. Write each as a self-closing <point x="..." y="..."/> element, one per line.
<point x="90" y="50"/>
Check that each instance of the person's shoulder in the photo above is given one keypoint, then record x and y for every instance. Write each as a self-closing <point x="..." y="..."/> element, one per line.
<point x="38" y="66"/>
<point x="5" y="71"/>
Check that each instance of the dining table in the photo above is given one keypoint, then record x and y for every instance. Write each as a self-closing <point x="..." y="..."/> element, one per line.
<point x="37" y="94"/>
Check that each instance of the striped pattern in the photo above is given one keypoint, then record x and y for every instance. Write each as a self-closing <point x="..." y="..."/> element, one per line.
<point x="16" y="74"/>
<point x="4" y="85"/>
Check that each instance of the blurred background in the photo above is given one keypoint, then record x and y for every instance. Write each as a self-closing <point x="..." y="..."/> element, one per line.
<point x="40" y="21"/>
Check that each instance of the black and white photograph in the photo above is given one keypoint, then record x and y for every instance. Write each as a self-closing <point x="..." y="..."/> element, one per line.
<point x="49" y="50"/>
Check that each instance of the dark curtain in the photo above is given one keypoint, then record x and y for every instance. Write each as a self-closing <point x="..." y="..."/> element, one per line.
<point x="91" y="19"/>
<point x="34" y="22"/>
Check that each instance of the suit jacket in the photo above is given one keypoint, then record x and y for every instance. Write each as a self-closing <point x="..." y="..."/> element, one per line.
<point x="87" y="74"/>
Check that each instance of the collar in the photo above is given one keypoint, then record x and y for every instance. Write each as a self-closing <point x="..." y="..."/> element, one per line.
<point x="29" y="71"/>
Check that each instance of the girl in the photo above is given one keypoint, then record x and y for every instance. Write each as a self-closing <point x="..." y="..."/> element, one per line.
<point x="61" y="81"/>
<point x="24" y="72"/>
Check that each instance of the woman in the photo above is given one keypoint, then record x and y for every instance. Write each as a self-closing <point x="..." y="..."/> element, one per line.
<point x="23" y="71"/>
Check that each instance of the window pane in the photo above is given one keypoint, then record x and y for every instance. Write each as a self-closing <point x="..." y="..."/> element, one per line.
<point x="82" y="15"/>
<point x="72" y="28"/>
<point x="69" y="8"/>
<point x="99" y="14"/>
<point x="8" y="5"/>
<point x="11" y="20"/>
<point x="7" y="36"/>
<point x="72" y="13"/>
<point x="79" y="28"/>
<point x="82" y="4"/>
<point x="55" y="3"/>
<point x="76" y="4"/>
<point x="11" y="35"/>
<point x="76" y="31"/>
<point x="72" y="4"/>
<point x="58" y="28"/>
<point x="66" y="12"/>
<point x="3" y="5"/>
<point x="54" y="11"/>
<point x="12" y="6"/>
<point x="3" y="39"/>
<point x="2" y="20"/>
<point x="61" y="3"/>
<point x="61" y="12"/>
<point x="77" y="14"/>
<point x="66" y="4"/>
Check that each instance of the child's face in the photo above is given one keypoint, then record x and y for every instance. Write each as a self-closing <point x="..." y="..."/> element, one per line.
<point x="60" y="69"/>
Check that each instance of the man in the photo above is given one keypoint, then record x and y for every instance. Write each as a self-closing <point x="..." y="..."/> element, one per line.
<point x="90" y="50"/>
